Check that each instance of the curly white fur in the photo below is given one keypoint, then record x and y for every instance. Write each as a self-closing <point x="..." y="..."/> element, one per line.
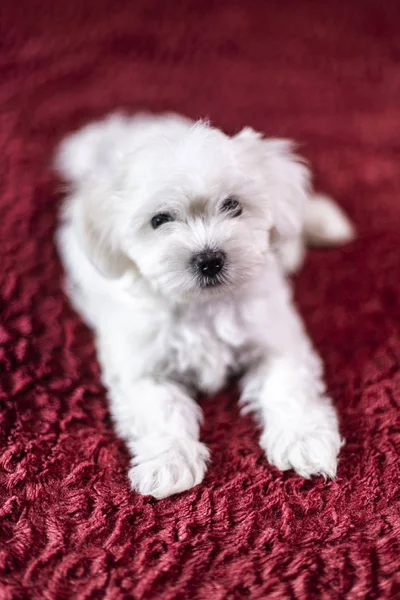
<point x="161" y="332"/>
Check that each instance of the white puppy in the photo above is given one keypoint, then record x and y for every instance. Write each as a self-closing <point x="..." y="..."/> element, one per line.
<point x="176" y="239"/>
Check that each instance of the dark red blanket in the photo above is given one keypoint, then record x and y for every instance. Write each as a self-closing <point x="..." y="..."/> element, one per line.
<point x="324" y="73"/>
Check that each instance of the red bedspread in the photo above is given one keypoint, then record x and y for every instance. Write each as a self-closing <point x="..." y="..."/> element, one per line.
<point x="324" y="73"/>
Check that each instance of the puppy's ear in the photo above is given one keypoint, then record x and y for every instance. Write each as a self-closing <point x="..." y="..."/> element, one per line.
<point x="87" y="160"/>
<point x="97" y="234"/>
<point x="284" y="178"/>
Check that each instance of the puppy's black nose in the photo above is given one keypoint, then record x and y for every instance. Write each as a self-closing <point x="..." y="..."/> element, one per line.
<point x="209" y="262"/>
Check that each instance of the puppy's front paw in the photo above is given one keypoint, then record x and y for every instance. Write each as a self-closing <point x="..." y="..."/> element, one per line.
<point x="309" y="453"/>
<point x="165" y="465"/>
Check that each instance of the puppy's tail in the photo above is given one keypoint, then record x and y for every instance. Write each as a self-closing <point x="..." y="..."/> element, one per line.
<point x="326" y="224"/>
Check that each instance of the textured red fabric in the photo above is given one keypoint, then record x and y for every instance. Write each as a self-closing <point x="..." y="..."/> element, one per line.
<point x="325" y="73"/>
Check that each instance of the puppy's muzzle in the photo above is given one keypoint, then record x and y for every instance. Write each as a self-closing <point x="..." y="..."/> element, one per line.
<point x="208" y="266"/>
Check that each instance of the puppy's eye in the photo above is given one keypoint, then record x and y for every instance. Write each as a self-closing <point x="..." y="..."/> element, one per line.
<point x="160" y="219"/>
<point x="232" y="206"/>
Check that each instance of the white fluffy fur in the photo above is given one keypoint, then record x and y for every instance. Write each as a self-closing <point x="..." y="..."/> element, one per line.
<point x="160" y="336"/>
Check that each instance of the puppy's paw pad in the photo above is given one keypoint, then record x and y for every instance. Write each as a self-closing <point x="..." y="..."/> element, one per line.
<point x="308" y="454"/>
<point x="164" y="466"/>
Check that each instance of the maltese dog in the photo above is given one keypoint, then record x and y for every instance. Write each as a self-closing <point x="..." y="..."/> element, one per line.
<point x="177" y="241"/>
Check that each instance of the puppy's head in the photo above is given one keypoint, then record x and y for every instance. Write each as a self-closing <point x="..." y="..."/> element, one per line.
<point x="190" y="209"/>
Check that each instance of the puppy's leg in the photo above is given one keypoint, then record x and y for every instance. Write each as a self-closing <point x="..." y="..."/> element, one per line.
<point x="285" y="388"/>
<point x="160" y="423"/>
<point x="157" y="417"/>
